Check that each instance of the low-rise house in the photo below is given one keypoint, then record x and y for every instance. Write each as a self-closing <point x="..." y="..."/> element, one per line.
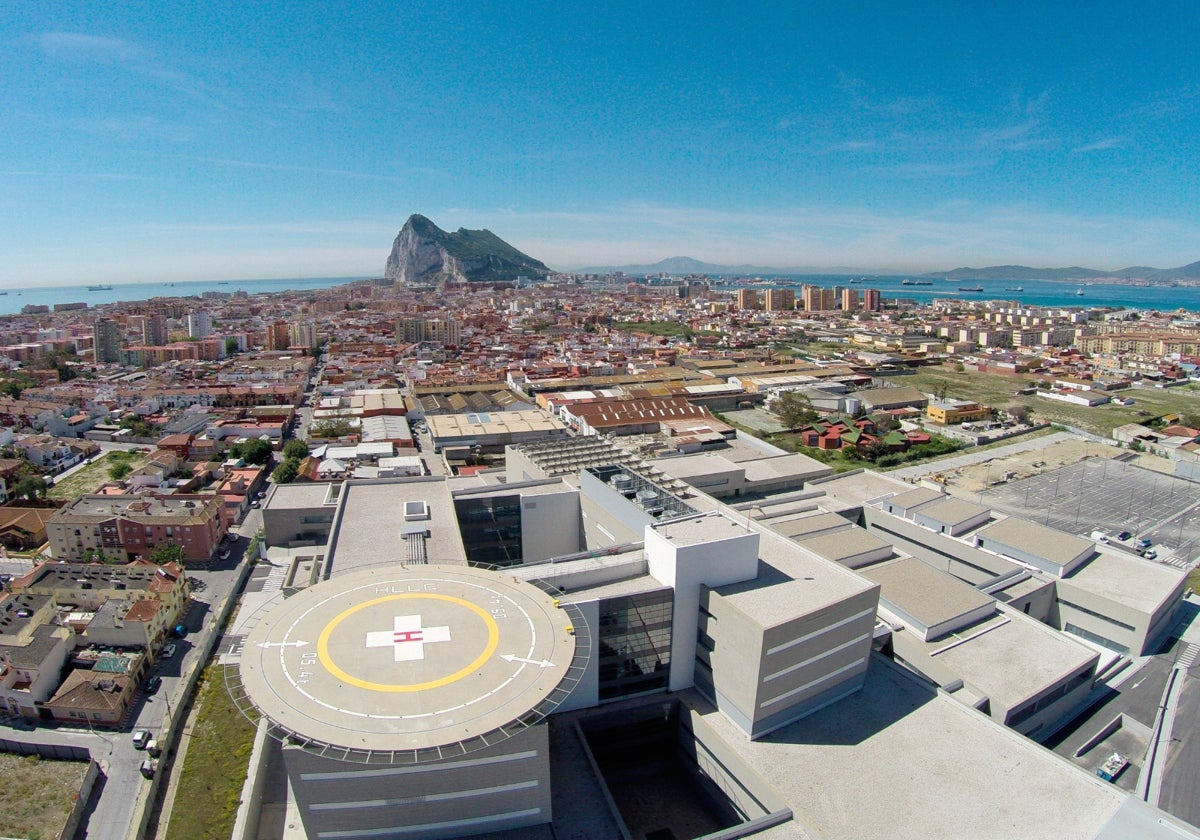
<point x="89" y="586"/>
<point x="23" y="528"/>
<point x="33" y="652"/>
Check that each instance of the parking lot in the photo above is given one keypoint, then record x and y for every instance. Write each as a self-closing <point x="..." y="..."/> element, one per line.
<point x="1100" y="494"/>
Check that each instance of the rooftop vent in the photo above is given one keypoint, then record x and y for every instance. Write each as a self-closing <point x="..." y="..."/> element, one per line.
<point x="416" y="511"/>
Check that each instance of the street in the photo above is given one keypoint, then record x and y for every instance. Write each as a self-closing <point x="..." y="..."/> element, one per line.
<point x="111" y="807"/>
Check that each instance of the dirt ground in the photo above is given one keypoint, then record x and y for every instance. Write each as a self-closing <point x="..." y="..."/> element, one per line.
<point x="1020" y="465"/>
<point x="37" y="795"/>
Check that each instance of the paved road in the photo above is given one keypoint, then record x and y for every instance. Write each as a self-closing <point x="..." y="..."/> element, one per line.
<point x="111" y="807"/>
<point x="969" y="458"/>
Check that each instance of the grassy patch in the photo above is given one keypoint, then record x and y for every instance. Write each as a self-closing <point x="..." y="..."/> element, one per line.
<point x="215" y="766"/>
<point x="37" y="795"/>
<point x="1000" y="391"/>
<point x="1193" y="579"/>
<point x="89" y="479"/>
<point x="670" y="329"/>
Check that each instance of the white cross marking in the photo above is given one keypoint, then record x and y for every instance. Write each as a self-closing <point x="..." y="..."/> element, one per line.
<point x="408" y="638"/>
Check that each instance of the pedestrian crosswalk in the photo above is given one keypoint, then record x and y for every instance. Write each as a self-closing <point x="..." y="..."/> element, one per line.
<point x="275" y="579"/>
<point x="1188" y="657"/>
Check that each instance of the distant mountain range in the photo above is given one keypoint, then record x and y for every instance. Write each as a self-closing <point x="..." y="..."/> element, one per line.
<point x="1024" y="272"/>
<point x="681" y="266"/>
<point x="688" y="265"/>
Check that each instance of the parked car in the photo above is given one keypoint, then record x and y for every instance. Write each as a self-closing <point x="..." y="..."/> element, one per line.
<point x="141" y="738"/>
<point x="1124" y="535"/>
<point x="168" y="650"/>
<point x="149" y="767"/>
<point x="153" y="684"/>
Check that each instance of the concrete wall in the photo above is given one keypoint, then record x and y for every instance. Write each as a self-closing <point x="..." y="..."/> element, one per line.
<point x="1127" y="628"/>
<point x="813" y="659"/>
<point x="686" y="568"/>
<point x="608" y="517"/>
<point x="288" y="527"/>
<point x="587" y="691"/>
<point x="551" y="526"/>
<point x="499" y="788"/>
<point x="747" y="791"/>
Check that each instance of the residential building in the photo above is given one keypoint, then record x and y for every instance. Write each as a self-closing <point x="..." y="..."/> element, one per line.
<point x="106" y="341"/>
<point x="779" y="300"/>
<point x="199" y="324"/>
<point x="132" y="526"/>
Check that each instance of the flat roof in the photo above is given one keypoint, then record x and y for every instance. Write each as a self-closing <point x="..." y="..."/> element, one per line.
<point x="916" y="496"/>
<point x="897" y="760"/>
<point x="1058" y="547"/>
<point x="368" y="530"/>
<point x="953" y="511"/>
<point x="928" y="595"/>
<point x="797" y="526"/>
<point x="298" y="495"/>
<point x="701" y="464"/>
<point x="843" y="545"/>
<point x="1014" y="659"/>
<point x="435" y="659"/>
<point x="853" y="489"/>
<point x="792" y="465"/>
<point x="791" y="581"/>
<point x="492" y="423"/>
<point x="1128" y="579"/>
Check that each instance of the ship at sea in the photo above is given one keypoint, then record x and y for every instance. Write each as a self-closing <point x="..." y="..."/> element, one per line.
<point x="908" y="282"/>
<point x="970" y="288"/>
<point x="99" y="288"/>
<point x="1014" y="288"/>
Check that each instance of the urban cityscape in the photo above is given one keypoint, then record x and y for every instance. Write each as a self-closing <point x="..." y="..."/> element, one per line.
<point x="766" y="422"/>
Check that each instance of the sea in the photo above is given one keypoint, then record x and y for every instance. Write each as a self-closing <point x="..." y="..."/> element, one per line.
<point x="1052" y="293"/>
<point x="12" y="300"/>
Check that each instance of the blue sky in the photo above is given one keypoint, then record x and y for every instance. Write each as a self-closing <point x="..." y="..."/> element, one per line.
<point x="228" y="140"/>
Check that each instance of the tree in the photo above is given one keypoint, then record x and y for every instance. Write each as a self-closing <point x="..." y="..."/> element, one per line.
<point x="166" y="553"/>
<point x="297" y="449"/>
<point x="12" y="388"/>
<point x="119" y="471"/>
<point x="254" y="451"/>
<point x="231" y="346"/>
<point x="139" y="426"/>
<point x="331" y="429"/>
<point x="286" y="472"/>
<point x="794" y="409"/>
<point x="31" y="488"/>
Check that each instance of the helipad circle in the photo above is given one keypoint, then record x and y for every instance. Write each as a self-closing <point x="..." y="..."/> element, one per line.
<point x="490" y="648"/>
<point x="407" y="659"/>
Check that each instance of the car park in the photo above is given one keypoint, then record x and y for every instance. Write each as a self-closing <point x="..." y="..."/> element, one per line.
<point x="141" y="738"/>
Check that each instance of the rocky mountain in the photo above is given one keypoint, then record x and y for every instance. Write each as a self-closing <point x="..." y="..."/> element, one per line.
<point x="423" y="253"/>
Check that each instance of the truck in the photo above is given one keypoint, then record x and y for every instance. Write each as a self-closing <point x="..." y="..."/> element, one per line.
<point x="1112" y="767"/>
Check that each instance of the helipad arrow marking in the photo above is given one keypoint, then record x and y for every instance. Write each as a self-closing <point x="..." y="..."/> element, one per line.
<point x="281" y="644"/>
<point x="541" y="663"/>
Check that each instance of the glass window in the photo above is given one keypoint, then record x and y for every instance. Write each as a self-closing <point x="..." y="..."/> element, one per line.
<point x="635" y="644"/>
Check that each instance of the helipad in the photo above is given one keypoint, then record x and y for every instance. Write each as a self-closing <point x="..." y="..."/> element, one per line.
<point x="431" y="659"/>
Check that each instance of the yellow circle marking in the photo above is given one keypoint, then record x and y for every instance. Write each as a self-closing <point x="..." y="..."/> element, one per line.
<point x="323" y="645"/>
